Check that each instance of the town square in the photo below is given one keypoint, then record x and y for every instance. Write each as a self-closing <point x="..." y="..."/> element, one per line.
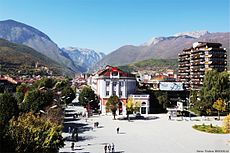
<point x="154" y="133"/>
<point x="115" y="76"/>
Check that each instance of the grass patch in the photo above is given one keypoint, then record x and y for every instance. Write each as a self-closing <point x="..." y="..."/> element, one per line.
<point x="209" y="128"/>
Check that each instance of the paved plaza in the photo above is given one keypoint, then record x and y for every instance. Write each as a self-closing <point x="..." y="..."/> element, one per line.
<point x="155" y="134"/>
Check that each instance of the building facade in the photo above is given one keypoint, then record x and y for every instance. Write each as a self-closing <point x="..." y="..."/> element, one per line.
<point x="143" y="99"/>
<point x="195" y="61"/>
<point x="112" y="81"/>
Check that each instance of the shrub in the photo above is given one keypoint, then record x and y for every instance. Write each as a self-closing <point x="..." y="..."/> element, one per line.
<point x="209" y="128"/>
<point x="31" y="133"/>
<point x="226" y="124"/>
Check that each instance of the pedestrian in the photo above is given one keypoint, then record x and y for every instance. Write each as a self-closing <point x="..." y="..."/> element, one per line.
<point x="76" y="137"/>
<point x="105" y="148"/>
<point x="73" y="134"/>
<point x="118" y="130"/>
<point x="113" y="149"/>
<point x="69" y="129"/>
<point x="72" y="146"/>
<point x="109" y="147"/>
<point x="97" y="123"/>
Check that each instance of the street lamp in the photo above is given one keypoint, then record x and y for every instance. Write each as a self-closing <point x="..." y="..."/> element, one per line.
<point x="52" y="107"/>
<point x="42" y="111"/>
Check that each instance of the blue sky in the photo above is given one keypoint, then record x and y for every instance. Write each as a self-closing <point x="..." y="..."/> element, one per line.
<point x="105" y="25"/>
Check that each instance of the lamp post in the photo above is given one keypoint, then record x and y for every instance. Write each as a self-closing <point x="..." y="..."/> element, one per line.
<point x="188" y="107"/>
<point x="47" y="112"/>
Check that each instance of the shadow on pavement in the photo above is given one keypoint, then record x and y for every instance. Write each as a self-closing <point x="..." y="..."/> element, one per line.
<point x="69" y="110"/>
<point x="121" y="133"/>
<point x="74" y="151"/>
<point x="69" y="115"/>
<point x="133" y="118"/>
<point x="100" y="127"/>
<point x="80" y="126"/>
<point x="70" y="119"/>
<point x="80" y="138"/>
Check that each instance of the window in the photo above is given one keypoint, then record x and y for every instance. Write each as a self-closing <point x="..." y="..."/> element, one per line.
<point x="121" y="84"/>
<point x="114" y="73"/>
<point x="114" y="83"/>
<point x="143" y="103"/>
<point x="107" y="83"/>
<point x="107" y="93"/>
<point x="114" y="92"/>
<point x="143" y="110"/>
<point x="120" y="93"/>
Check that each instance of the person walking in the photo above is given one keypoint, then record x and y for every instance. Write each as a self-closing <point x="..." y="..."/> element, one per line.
<point x="118" y="129"/>
<point x="72" y="146"/>
<point x="105" y="148"/>
<point x="113" y="149"/>
<point x="69" y="129"/>
<point x="109" y="147"/>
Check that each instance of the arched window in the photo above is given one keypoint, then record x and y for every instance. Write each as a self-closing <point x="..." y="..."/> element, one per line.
<point x="143" y="103"/>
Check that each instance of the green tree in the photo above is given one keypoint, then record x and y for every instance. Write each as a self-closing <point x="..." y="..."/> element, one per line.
<point x="194" y="103"/>
<point x="215" y="85"/>
<point x="45" y="82"/>
<point x="88" y="97"/>
<point x="131" y="106"/>
<point x="21" y="90"/>
<point x="36" y="100"/>
<point x="220" y="106"/>
<point x="60" y="85"/>
<point x="8" y="109"/>
<point x="163" y="100"/>
<point x="67" y="95"/>
<point x="112" y="104"/>
<point x="31" y="133"/>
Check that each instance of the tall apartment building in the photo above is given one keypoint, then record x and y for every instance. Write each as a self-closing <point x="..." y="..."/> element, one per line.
<point x="113" y="81"/>
<point x="184" y="67"/>
<point x="195" y="61"/>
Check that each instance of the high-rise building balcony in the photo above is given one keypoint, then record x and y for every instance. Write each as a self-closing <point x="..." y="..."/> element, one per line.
<point x="197" y="70"/>
<point x="196" y="56"/>
<point x="196" y="83"/>
<point x="197" y="76"/>
<point x="201" y="56"/>
<point x="197" y="73"/>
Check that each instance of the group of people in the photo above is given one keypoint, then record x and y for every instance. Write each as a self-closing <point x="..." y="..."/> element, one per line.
<point x="109" y="148"/>
<point x="74" y="133"/>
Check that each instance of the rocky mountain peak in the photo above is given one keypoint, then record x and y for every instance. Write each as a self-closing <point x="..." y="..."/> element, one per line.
<point x="19" y="31"/>
<point x="153" y="41"/>
<point x="194" y="34"/>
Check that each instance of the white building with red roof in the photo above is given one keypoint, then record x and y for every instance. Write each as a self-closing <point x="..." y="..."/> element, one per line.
<point x="113" y="81"/>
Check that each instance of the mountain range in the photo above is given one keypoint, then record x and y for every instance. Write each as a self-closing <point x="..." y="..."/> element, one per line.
<point x="81" y="60"/>
<point x="20" y="33"/>
<point x="163" y="47"/>
<point x="83" y="56"/>
<point x="16" y="58"/>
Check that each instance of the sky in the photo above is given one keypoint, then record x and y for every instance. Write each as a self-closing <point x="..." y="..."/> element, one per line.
<point x="106" y="25"/>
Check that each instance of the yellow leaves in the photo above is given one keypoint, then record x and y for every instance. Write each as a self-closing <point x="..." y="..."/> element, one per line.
<point x="32" y="132"/>
<point x="129" y="104"/>
<point x="219" y="105"/>
<point x="132" y="106"/>
<point x="226" y="124"/>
